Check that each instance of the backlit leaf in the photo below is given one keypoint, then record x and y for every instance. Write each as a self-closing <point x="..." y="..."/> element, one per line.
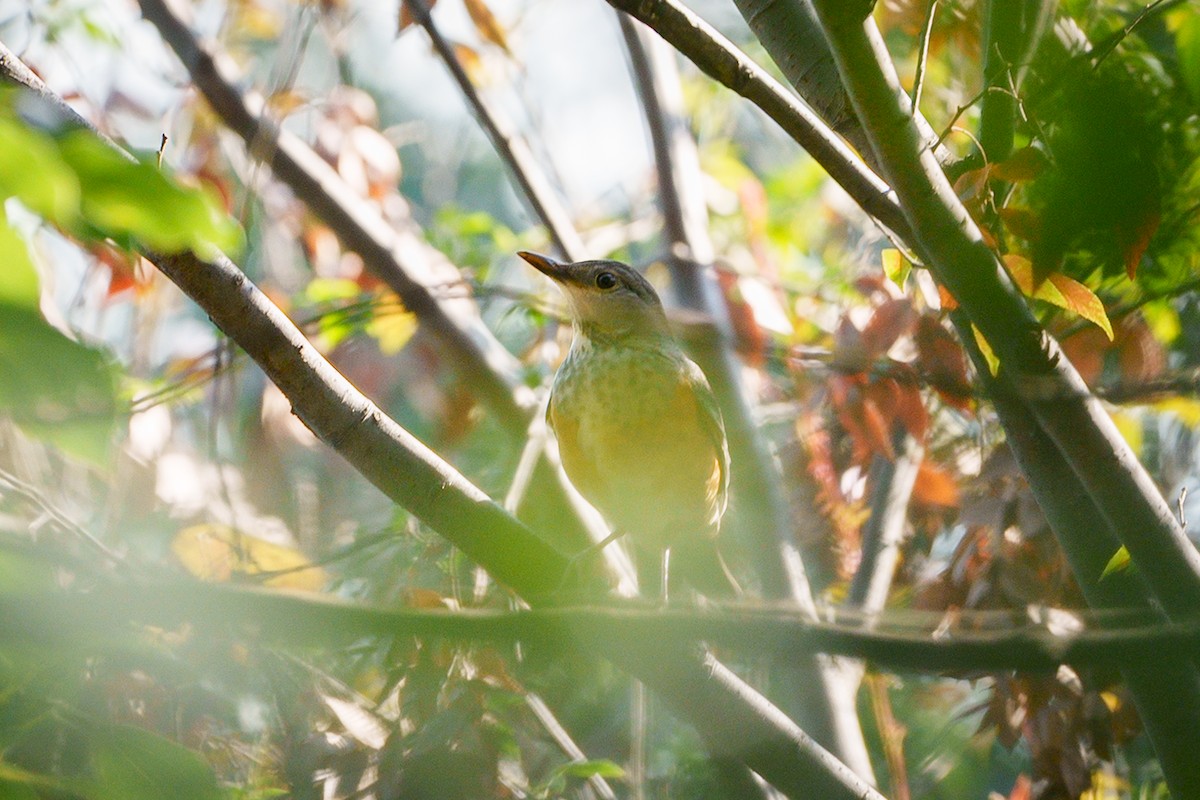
<point x="986" y="349"/>
<point x="486" y="24"/>
<point x="1119" y="562"/>
<point x="1023" y="165"/>
<point x="218" y="553"/>
<point x="896" y="266"/>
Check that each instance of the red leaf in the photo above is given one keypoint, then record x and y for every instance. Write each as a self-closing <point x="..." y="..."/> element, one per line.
<point x="889" y="322"/>
<point x="941" y="359"/>
<point x="1136" y="238"/>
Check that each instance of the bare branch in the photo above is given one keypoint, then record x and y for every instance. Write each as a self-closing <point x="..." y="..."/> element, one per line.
<point x="509" y="144"/>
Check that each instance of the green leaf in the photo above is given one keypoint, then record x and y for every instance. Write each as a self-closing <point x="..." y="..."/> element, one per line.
<point x="1186" y="25"/>
<point x="989" y="355"/>
<point x="134" y="764"/>
<point x="53" y="388"/>
<point x="32" y="170"/>
<point x="600" y="767"/>
<point x="123" y="198"/>
<point x="1119" y="562"/>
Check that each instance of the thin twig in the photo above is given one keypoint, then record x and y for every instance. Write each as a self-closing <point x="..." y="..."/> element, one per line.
<point x="922" y="57"/>
<point x="509" y="145"/>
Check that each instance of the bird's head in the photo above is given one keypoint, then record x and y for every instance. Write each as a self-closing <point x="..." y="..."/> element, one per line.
<point x="607" y="299"/>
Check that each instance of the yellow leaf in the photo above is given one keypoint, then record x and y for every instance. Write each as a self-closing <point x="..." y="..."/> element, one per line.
<point x="1119" y="562"/>
<point x="985" y="348"/>
<point x="487" y="25"/>
<point x="218" y="553"/>
<point x="1186" y="408"/>
<point x="1083" y="301"/>
<point x="392" y="325"/>
<point x="896" y="266"/>
<point x="1059" y="290"/>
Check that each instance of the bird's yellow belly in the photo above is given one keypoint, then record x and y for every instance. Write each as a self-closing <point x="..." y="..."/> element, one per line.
<point x="633" y="443"/>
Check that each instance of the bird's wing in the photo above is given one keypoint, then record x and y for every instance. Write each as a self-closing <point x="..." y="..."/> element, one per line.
<point x="714" y="427"/>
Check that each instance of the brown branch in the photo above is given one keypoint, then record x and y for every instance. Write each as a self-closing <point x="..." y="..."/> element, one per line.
<point x="307" y="620"/>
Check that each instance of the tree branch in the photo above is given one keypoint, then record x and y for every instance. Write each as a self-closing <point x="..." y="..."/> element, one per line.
<point x="309" y="620"/>
<point x="718" y="58"/>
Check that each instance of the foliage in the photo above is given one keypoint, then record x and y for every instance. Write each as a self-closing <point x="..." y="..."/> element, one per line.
<point x="134" y="443"/>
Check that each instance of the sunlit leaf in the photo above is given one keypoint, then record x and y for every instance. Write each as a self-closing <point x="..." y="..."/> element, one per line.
<point x="392" y="326"/>
<point x="986" y="349"/>
<point x="600" y="767"/>
<point x="1187" y="409"/>
<point x="1131" y="430"/>
<point x="1059" y="290"/>
<point x="1083" y="301"/>
<point x="123" y="198"/>
<point x="1185" y="23"/>
<point x="218" y="553"/>
<point x="489" y="28"/>
<point x="896" y="266"/>
<point x="53" y="388"/>
<point x="1119" y="562"/>
<point x="32" y="170"/>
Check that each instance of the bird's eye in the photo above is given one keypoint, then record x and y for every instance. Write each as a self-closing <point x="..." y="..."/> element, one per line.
<point x="606" y="280"/>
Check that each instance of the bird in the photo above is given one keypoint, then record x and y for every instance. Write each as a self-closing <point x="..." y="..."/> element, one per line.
<point x="639" y="431"/>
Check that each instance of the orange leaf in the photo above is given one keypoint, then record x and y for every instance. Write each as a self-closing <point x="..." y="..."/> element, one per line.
<point x="1023" y="165"/>
<point x="949" y="303"/>
<point x="941" y="358"/>
<point x="486" y="23"/>
<point x="971" y="183"/>
<point x="935" y="486"/>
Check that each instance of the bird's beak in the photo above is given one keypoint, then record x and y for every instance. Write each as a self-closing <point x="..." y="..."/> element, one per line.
<point x="555" y="270"/>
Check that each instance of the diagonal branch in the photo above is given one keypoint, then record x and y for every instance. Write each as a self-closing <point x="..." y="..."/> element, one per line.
<point x="722" y="61"/>
<point x="394" y="256"/>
